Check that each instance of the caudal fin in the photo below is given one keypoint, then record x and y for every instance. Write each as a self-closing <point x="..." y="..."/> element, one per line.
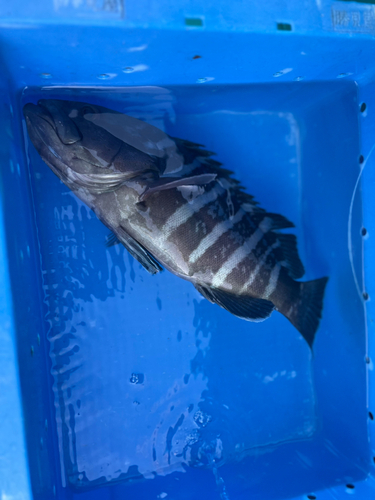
<point x="306" y="309"/>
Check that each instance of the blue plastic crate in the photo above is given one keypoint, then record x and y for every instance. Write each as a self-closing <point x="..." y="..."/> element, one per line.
<point x="116" y="384"/>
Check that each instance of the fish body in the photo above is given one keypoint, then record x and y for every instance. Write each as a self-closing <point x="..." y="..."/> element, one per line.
<point x="193" y="218"/>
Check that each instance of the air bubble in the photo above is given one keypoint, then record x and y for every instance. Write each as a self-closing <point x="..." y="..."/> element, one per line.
<point x="298" y="78"/>
<point x="128" y="69"/>
<point x="344" y="75"/>
<point x="45" y="75"/>
<point x="282" y="72"/>
<point x="104" y="76"/>
<point x="192" y="438"/>
<point x="201" y="80"/>
<point x="202" y="419"/>
<point x="136" y="378"/>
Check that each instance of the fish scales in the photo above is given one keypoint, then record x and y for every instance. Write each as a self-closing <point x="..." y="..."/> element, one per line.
<point x="216" y="256"/>
<point x="200" y="227"/>
<point x="197" y="221"/>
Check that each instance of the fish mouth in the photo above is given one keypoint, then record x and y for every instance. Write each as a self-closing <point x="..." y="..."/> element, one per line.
<point x="33" y="113"/>
<point x="52" y="113"/>
<point x="43" y="132"/>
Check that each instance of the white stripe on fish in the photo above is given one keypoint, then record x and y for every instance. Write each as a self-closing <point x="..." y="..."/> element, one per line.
<point x="258" y="267"/>
<point x="241" y="253"/>
<point x="271" y="287"/>
<point x="187" y="210"/>
<point x="214" y="235"/>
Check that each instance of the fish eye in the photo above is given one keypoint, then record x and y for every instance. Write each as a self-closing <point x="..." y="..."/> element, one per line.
<point x="87" y="109"/>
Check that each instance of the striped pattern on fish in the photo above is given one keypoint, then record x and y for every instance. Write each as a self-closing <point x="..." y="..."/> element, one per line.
<point x="199" y="223"/>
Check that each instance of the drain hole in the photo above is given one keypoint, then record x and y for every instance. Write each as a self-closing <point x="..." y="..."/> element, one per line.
<point x="365" y="296"/>
<point x="371" y="416"/>
<point x="363" y="107"/>
<point x="350" y="486"/>
<point x="311" y="497"/>
<point x="363" y="231"/>
<point x="361" y="159"/>
<point x="194" y="21"/>
<point x="284" y="27"/>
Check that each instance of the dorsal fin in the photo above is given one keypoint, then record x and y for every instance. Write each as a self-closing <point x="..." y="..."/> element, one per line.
<point x="191" y="150"/>
<point x="291" y="258"/>
<point x="277" y="221"/>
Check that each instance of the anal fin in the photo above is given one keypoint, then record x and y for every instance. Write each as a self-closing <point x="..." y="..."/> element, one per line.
<point x="249" y="308"/>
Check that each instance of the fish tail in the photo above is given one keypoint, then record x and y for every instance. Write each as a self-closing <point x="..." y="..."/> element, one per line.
<point x="306" y="308"/>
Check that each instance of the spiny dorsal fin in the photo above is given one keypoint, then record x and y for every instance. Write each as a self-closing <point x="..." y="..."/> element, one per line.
<point x="190" y="150"/>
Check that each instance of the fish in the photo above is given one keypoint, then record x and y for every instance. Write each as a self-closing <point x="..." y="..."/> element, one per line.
<point x="173" y="206"/>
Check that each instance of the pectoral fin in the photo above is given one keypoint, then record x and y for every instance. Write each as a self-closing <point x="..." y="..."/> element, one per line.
<point x="135" y="249"/>
<point x="112" y="240"/>
<point x="171" y="182"/>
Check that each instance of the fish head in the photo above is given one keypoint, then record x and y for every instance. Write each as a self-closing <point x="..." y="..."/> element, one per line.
<point x="80" y="152"/>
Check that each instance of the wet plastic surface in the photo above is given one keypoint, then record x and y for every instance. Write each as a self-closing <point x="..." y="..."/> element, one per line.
<point x="134" y="385"/>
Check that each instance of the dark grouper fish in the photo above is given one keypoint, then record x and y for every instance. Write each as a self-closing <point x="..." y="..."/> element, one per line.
<point x="170" y="204"/>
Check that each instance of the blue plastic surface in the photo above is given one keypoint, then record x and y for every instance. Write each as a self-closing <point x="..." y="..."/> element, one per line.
<point x="132" y="385"/>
